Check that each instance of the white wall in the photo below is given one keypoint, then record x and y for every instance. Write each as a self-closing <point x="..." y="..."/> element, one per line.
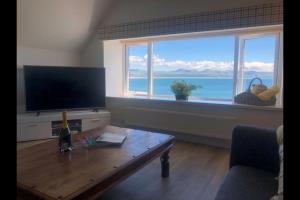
<point x="37" y="56"/>
<point x="92" y="54"/>
<point x="213" y="121"/>
<point x="113" y="63"/>
<point x="59" y="24"/>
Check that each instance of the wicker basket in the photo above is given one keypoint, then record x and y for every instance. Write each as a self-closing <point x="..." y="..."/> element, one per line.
<point x="248" y="98"/>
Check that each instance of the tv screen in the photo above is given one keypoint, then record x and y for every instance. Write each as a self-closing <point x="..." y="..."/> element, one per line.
<point x="59" y="87"/>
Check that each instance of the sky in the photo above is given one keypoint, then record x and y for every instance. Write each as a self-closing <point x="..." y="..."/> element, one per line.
<point x="215" y="53"/>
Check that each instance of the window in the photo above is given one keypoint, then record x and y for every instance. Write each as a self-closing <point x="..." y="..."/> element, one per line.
<point x="258" y="60"/>
<point x="202" y="61"/>
<point x="223" y="64"/>
<point x="137" y="69"/>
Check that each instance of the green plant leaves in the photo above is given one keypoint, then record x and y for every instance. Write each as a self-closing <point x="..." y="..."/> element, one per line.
<point x="183" y="88"/>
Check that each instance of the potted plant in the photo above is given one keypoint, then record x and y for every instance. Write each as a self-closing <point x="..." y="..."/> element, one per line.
<point x="182" y="90"/>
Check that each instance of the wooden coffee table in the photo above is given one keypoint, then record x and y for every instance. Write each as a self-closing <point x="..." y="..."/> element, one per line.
<point x="45" y="173"/>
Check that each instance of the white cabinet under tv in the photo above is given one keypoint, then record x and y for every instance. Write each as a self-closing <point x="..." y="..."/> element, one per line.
<point x="47" y="124"/>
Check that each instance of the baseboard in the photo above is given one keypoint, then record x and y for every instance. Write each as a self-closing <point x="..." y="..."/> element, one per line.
<point x="211" y="141"/>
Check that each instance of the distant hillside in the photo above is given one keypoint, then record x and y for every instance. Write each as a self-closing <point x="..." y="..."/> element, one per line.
<point x="195" y="73"/>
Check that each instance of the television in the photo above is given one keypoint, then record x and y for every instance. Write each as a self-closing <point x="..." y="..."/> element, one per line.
<point x="64" y="88"/>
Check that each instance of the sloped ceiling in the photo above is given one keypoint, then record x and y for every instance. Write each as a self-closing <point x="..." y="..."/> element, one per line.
<point x="64" y="25"/>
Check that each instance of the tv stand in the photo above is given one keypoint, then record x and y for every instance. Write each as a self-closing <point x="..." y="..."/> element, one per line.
<point x="44" y="125"/>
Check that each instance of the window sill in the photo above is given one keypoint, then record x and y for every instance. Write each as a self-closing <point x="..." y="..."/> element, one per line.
<point x="222" y="103"/>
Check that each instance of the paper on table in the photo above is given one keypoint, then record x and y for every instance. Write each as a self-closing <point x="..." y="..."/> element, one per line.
<point x="111" y="138"/>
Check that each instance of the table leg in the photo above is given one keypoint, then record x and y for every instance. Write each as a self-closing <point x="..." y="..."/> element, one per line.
<point x="164" y="159"/>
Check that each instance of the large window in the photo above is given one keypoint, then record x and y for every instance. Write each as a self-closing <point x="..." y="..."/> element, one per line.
<point x="222" y="64"/>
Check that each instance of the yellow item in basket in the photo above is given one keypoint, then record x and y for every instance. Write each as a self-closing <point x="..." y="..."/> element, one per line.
<point x="256" y="89"/>
<point x="269" y="93"/>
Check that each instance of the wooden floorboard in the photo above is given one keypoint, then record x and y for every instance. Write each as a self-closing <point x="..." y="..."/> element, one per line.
<point x="196" y="172"/>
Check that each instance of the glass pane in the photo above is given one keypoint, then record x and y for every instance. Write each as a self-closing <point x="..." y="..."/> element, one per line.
<point x="138" y="81"/>
<point x="259" y="55"/>
<point x="207" y="62"/>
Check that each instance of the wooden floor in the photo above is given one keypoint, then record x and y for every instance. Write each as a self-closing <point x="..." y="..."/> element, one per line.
<point x="196" y="172"/>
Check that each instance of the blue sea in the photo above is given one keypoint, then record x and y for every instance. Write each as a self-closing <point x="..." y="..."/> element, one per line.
<point x="220" y="88"/>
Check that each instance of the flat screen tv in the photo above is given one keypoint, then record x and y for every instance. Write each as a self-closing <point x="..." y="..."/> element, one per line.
<point x="64" y="88"/>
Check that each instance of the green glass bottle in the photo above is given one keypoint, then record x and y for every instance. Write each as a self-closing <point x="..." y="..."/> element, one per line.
<point x="65" y="139"/>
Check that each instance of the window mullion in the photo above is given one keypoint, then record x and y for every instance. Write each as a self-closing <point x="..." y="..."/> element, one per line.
<point x="149" y="68"/>
<point x="240" y="74"/>
<point x="279" y="67"/>
<point x="126" y="80"/>
<point x="235" y="66"/>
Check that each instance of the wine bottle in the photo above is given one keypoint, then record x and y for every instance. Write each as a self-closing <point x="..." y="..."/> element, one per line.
<point x="65" y="139"/>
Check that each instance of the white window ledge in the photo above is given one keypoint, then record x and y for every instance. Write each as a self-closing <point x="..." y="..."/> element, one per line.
<point x="223" y="103"/>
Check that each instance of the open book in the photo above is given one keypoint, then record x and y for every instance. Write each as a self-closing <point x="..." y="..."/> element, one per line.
<point x="112" y="138"/>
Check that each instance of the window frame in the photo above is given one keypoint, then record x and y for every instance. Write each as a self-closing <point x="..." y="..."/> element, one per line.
<point x="126" y="91"/>
<point x="241" y="35"/>
<point x="240" y="69"/>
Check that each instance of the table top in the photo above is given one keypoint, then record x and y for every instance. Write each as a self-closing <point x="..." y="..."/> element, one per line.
<point x="46" y="172"/>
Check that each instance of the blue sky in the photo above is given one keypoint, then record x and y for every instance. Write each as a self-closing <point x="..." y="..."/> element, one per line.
<point x="190" y="53"/>
<point x="215" y="49"/>
<point x="262" y="49"/>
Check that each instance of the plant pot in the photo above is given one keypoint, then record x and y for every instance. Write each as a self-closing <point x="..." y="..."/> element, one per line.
<point x="181" y="97"/>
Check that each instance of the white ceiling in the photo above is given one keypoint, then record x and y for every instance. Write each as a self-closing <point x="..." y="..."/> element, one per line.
<point x="64" y="25"/>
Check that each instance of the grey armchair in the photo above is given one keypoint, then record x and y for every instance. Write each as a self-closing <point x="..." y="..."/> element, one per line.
<point x="254" y="164"/>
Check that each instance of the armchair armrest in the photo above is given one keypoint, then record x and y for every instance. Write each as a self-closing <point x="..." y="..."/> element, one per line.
<point x="255" y="147"/>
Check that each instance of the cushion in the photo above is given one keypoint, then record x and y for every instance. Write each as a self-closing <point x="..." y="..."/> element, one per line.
<point x="279" y="195"/>
<point x="247" y="183"/>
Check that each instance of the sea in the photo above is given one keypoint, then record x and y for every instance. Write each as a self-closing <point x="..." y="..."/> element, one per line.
<point x="215" y="88"/>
